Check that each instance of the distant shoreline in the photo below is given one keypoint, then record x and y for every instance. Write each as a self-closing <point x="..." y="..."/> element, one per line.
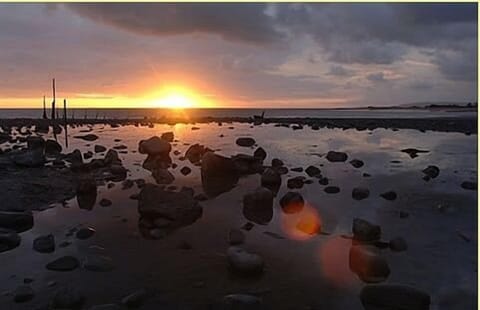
<point x="466" y="125"/>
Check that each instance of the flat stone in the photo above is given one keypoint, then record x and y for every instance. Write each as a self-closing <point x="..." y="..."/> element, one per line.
<point x="98" y="263"/>
<point x="85" y="233"/>
<point x="390" y="195"/>
<point x="65" y="263"/>
<point x="331" y="189"/>
<point x="44" y="244"/>
<point x="365" y="231"/>
<point x="334" y="156"/>
<point x="245" y="141"/>
<point x="360" y="193"/>
<point x="244" y="262"/>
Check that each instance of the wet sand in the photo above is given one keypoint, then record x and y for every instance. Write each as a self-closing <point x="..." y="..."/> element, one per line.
<point x="302" y="271"/>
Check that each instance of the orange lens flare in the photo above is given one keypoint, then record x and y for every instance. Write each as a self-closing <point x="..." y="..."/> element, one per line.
<point x="334" y="261"/>
<point x="301" y="225"/>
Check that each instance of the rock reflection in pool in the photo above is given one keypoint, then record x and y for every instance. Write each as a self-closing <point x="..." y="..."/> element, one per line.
<point x="162" y="212"/>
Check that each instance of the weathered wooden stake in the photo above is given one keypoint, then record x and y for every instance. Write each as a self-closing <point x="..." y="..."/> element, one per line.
<point x="65" y="125"/>
<point x="44" y="109"/>
<point x="53" y="102"/>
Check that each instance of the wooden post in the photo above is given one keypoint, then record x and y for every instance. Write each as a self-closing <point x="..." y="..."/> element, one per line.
<point x="53" y="102"/>
<point x="44" y="109"/>
<point x="65" y="121"/>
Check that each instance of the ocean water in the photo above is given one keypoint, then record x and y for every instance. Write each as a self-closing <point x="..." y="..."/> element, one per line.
<point x="302" y="271"/>
<point x="273" y="113"/>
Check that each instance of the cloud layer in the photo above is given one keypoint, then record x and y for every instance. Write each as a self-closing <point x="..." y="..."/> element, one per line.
<point x="356" y="54"/>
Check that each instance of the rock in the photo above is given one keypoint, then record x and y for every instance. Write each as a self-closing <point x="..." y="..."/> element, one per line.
<point x="52" y="147"/>
<point x="120" y="147"/>
<point x="167" y="136"/>
<point x="260" y="154"/>
<point x="292" y="202"/>
<point x="366" y="175"/>
<point x="23" y="293"/>
<point x="88" y="137"/>
<point x="413" y="152"/>
<point x="277" y="163"/>
<point x="67" y="298"/>
<point x="241" y="302"/>
<point x="178" y="207"/>
<point x="390" y="195"/>
<point x="185" y="170"/>
<point x="365" y="231"/>
<point x="469" y="185"/>
<point x="431" y="172"/>
<point x="200" y="197"/>
<point x="312" y="171"/>
<point x="106" y="307"/>
<point x="368" y="264"/>
<point x="112" y="158"/>
<point x="331" y="189"/>
<point x="323" y="181"/>
<point x="65" y="263"/>
<point x="236" y="236"/>
<point x="75" y="157"/>
<point x="28" y="158"/>
<point x="162" y="176"/>
<point x="86" y="192"/>
<point x="295" y="182"/>
<point x="87" y="155"/>
<point x="136" y="299"/>
<point x="297" y="169"/>
<point x="98" y="263"/>
<point x="99" y="148"/>
<point x="154" y="146"/>
<point x="333" y="156"/>
<point x="398" y="244"/>
<point x="394" y="297"/>
<point x="104" y="202"/>
<point x="245" y="142"/>
<point x="35" y="142"/>
<point x="44" y="244"/>
<point x="195" y="153"/>
<point x="85" y="233"/>
<point x="127" y="184"/>
<point x="360" y="193"/>
<point x="219" y="174"/>
<point x="271" y="178"/>
<point x="243" y="262"/>
<point x="17" y="221"/>
<point x="258" y="206"/>
<point x="356" y="163"/>
<point x="9" y="240"/>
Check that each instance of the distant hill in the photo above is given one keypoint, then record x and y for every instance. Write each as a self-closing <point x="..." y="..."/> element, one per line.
<point x="440" y="104"/>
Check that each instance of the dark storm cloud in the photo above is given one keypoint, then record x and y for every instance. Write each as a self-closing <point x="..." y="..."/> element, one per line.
<point x="337" y="70"/>
<point x="237" y="22"/>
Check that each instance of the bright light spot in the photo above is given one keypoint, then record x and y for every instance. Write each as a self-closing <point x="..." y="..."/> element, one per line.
<point x="302" y="225"/>
<point x="177" y="98"/>
<point x="175" y="101"/>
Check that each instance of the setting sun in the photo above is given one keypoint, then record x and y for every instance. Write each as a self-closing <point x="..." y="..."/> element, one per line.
<point x="177" y="97"/>
<point x="175" y="101"/>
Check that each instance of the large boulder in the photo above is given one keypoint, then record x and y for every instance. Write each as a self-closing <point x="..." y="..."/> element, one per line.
<point x="195" y="153"/>
<point x="394" y="297"/>
<point x="167" y="136"/>
<point x="16" y="221"/>
<point x="35" y="142"/>
<point x="154" y="146"/>
<point x="365" y="231"/>
<point x="86" y="192"/>
<point x="177" y="209"/>
<point x="162" y="176"/>
<point x="258" y="206"/>
<point x="219" y="174"/>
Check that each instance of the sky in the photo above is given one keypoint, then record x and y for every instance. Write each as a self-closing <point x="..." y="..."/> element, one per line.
<point x="299" y="55"/>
